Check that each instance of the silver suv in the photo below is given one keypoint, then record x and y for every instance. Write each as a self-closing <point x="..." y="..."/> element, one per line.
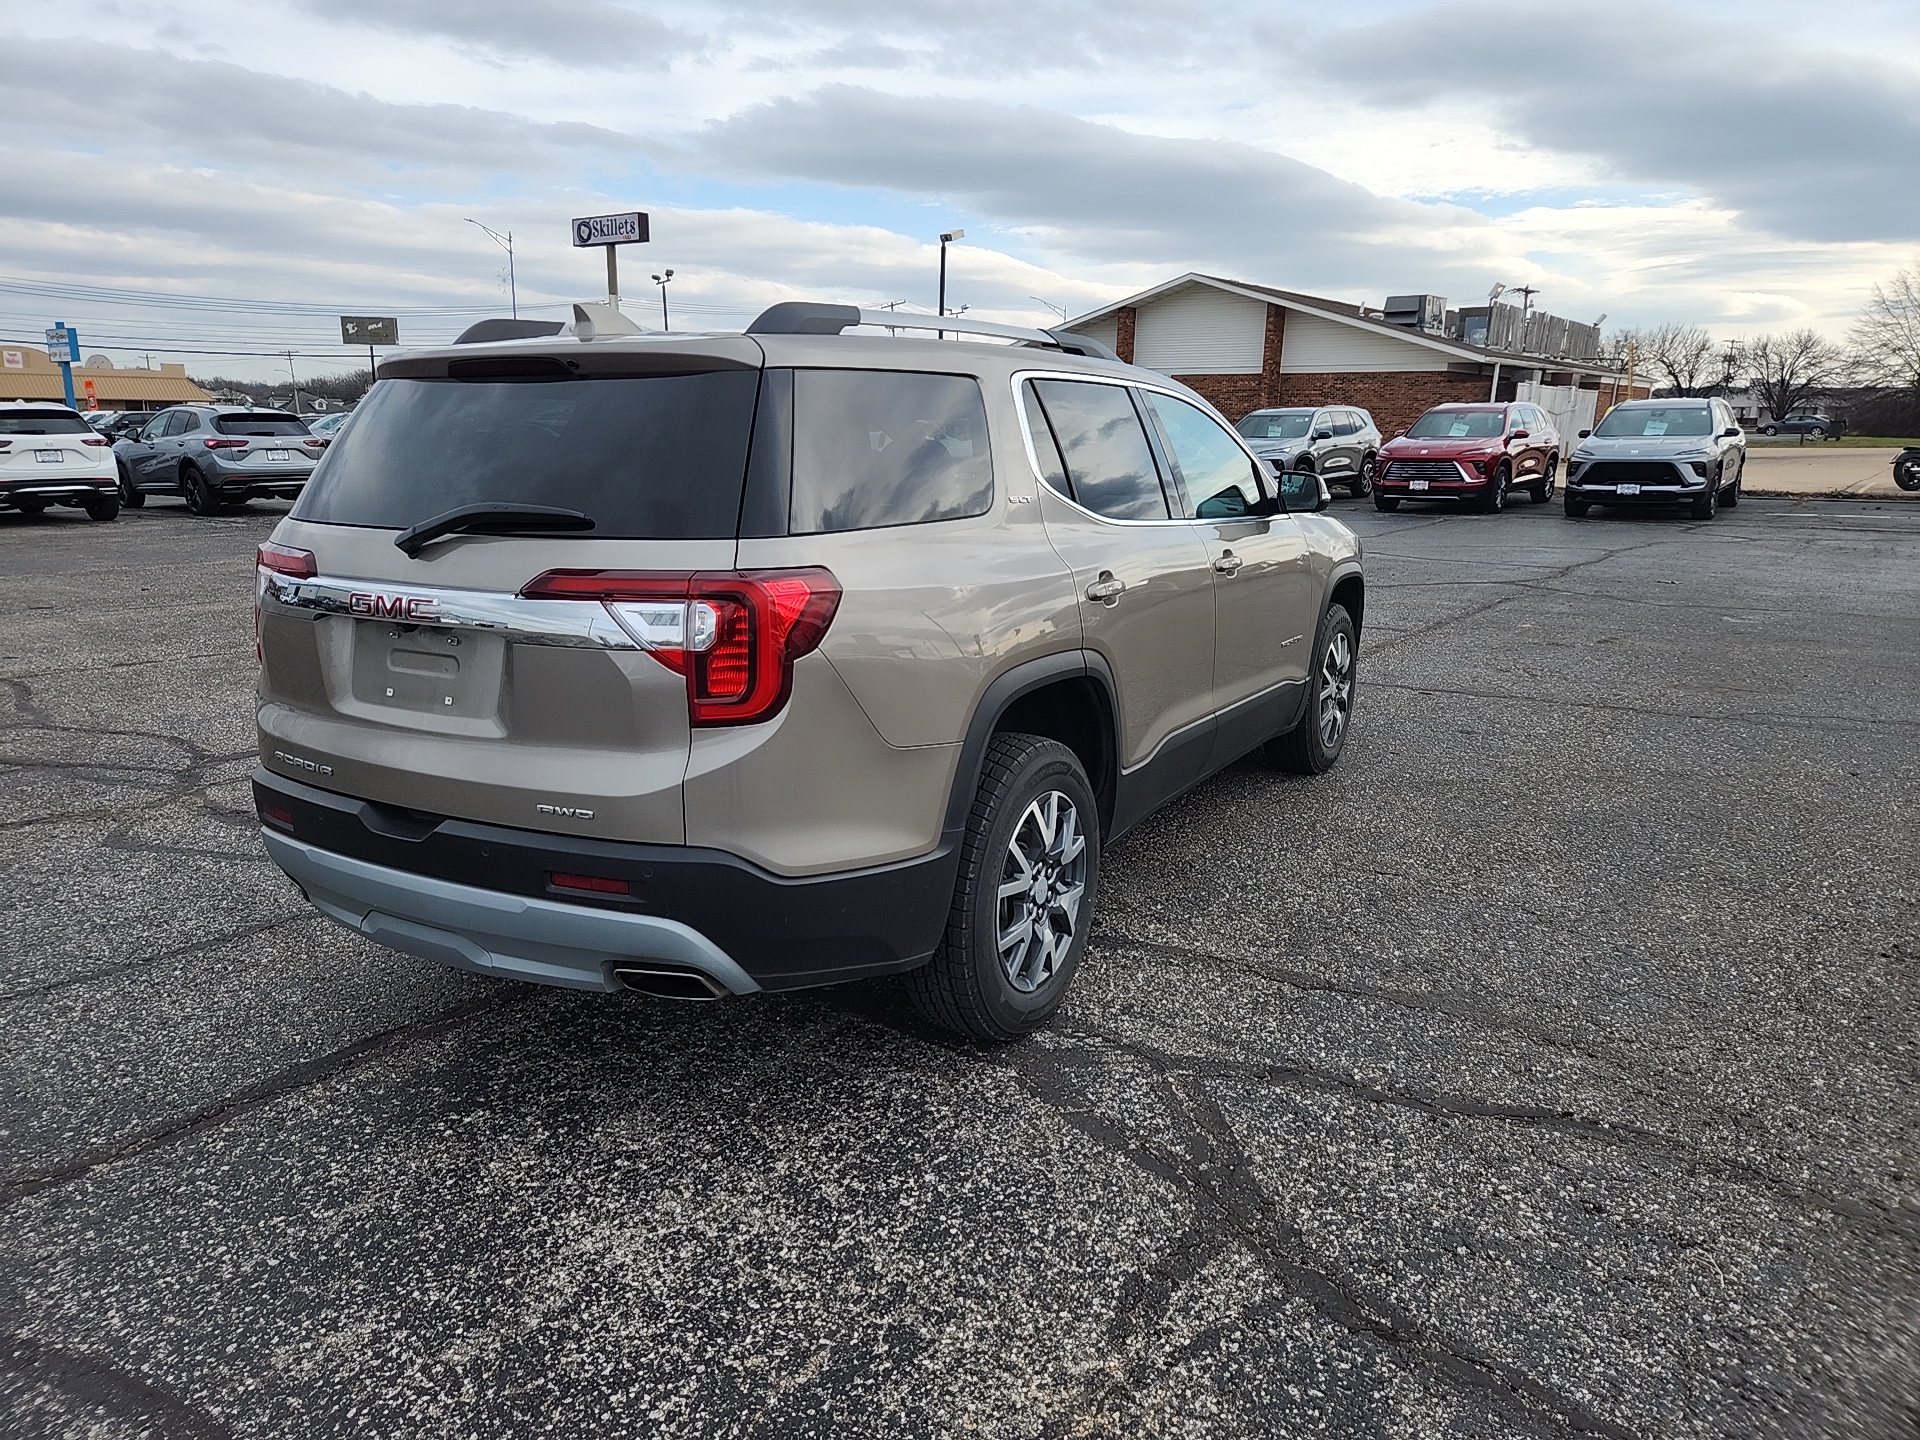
<point x="215" y="456"/>
<point x="712" y="664"/>
<point x="1338" y="442"/>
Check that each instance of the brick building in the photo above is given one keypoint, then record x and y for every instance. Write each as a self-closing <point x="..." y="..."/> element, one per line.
<point x="1246" y="347"/>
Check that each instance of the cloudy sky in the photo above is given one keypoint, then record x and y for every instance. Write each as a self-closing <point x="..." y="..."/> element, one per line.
<point x="225" y="177"/>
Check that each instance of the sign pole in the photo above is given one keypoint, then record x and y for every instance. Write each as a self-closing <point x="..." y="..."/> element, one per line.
<point x="72" y="359"/>
<point x="613" y="277"/>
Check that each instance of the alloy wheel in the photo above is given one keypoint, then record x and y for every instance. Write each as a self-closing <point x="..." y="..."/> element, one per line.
<point x="1336" y="690"/>
<point x="1042" y="882"/>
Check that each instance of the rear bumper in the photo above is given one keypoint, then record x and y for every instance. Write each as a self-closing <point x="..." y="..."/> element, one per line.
<point x="282" y="481"/>
<point x="482" y="897"/>
<point x="71" y="489"/>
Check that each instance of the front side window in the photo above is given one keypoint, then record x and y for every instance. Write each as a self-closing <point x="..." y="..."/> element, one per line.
<point x="1109" y="464"/>
<point x="1215" y="473"/>
<point x="873" y="448"/>
<point x="1654" y="422"/>
<point x="1460" y="425"/>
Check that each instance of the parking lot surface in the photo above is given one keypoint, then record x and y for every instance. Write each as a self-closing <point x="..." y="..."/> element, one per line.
<point x="1546" y="1068"/>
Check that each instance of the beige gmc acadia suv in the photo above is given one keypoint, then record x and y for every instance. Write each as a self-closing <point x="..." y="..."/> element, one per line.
<point x="712" y="664"/>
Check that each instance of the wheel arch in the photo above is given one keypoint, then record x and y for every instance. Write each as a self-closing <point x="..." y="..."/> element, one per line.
<point x="1349" y="590"/>
<point x="1068" y="697"/>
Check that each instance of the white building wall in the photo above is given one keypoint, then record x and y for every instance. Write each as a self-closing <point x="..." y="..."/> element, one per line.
<point x="1313" y="345"/>
<point x="1201" y="331"/>
<point x="1106" y="331"/>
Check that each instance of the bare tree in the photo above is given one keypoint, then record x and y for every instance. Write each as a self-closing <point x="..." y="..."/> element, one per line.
<point x="1682" y="354"/>
<point x="1886" y="338"/>
<point x="1790" y="369"/>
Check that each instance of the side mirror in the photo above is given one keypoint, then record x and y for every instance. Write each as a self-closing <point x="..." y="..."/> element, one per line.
<point x="1398" y="433"/>
<point x="1301" y="492"/>
<point x="1584" y="434"/>
<point x="1323" y="435"/>
<point x="1519" y="434"/>
<point x="1732" y="432"/>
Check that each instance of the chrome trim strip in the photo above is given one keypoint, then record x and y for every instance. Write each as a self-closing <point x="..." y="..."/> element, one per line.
<point x="570" y="624"/>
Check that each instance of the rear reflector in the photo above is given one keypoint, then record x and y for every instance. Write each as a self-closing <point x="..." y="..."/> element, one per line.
<point x="286" y="560"/>
<point x="733" y="633"/>
<point x="597" y="884"/>
<point x="274" y="815"/>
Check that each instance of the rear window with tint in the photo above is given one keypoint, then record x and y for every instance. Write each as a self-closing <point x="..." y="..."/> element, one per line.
<point x="245" y="424"/>
<point x="1110" y="466"/>
<point x="875" y="447"/>
<point x="656" y="457"/>
<point x="42" y="422"/>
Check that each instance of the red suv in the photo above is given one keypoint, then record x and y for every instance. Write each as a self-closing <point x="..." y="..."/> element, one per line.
<point x="1470" y="453"/>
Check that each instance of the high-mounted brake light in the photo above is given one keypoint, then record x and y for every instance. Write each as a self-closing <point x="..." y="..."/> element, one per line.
<point x="733" y="633"/>
<point x="286" y="560"/>
<point x="224" y="443"/>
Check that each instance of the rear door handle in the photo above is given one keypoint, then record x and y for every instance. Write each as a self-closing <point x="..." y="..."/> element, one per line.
<point x="1228" y="562"/>
<point x="1106" y="589"/>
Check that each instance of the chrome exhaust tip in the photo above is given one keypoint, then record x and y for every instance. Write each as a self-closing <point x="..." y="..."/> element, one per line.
<point x="666" y="983"/>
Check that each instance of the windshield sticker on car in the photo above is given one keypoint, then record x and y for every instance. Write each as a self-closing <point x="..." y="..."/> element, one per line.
<point x="878" y="440"/>
<point x="1656" y="428"/>
<point x="1457" y="429"/>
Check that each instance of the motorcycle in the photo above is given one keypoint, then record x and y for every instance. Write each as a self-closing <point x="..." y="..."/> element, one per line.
<point x="1906" y="468"/>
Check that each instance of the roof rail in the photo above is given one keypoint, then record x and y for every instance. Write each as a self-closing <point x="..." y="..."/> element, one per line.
<point x="801" y="317"/>
<point x="504" y="329"/>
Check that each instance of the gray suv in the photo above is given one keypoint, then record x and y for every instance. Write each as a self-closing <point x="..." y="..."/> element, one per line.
<point x="215" y="456"/>
<point x="1646" y="452"/>
<point x="1338" y="442"/>
<point x="714" y="664"/>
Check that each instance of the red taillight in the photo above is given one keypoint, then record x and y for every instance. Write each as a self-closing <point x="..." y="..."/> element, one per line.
<point x="733" y="633"/>
<point x="5" y="443"/>
<point x="316" y="443"/>
<point x="595" y="884"/>
<point x="96" y="440"/>
<point x="218" y="443"/>
<point x="274" y="815"/>
<point x="286" y="560"/>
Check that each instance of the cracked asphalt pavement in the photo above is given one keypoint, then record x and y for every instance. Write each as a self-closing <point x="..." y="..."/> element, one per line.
<point x="1547" y="1068"/>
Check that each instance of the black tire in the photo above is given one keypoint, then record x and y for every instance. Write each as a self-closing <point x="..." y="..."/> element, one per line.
<point x="130" y="495"/>
<point x="1388" y="503"/>
<point x="106" y="507"/>
<point x="966" y="987"/>
<point x="1907" y="475"/>
<point x="1316" y="740"/>
<point x="201" y="499"/>
<point x="1730" y="496"/>
<point x="1576" y="509"/>
<point x="1362" y="483"/>
<point x="1769" y="429"/>
<point x="1816" y="433"/>
<point x="1542" y="492"/>
<point x="1708" y="504"/>
<point x="1494" y="500"/>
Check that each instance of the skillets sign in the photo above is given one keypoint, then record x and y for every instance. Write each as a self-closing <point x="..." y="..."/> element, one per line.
<point x="627" y="229"/>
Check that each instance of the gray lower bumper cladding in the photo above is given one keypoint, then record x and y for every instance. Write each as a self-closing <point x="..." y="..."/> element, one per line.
<point x="512" y="936"/>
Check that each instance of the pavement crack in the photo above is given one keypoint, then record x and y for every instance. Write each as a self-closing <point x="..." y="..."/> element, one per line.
<point x="178" y="952"/>
<point x="106" y="1389"/>
<point x="248" y="1098"/>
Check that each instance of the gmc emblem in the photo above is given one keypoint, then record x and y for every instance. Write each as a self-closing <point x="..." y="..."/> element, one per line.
<point x="392" y="607"/>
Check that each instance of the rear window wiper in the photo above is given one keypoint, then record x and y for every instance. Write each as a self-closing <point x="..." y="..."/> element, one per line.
<point x="488" y="520"/>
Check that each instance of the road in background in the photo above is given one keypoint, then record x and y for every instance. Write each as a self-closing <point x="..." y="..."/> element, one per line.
<point x="1816" y="470"/>
<point x="1548" y="1067"/>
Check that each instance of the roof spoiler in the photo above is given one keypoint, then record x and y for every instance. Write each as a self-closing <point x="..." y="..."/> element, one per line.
<point x="505" y="329"/>
<point x="803" y="317"/>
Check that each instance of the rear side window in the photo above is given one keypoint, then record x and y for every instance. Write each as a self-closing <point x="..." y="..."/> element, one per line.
<point x="245" y="424"/>
<point x="873" y="448"/>
<point x="179" y="422"/>
<point x="656" y="457"/>
<point x="1104" y="446"/>
<point x="42" y="422"/>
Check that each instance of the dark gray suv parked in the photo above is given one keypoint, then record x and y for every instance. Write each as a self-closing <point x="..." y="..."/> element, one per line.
<point x="215" y="456"/>
<point x="1339" y="443"/>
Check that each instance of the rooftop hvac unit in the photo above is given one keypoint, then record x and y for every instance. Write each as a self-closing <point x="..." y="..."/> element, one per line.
<point x="1418" y="312"/>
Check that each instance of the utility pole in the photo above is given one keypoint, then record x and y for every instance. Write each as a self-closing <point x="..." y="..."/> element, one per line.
<point x="662" y="281"/>
<point x="296" y="381"/>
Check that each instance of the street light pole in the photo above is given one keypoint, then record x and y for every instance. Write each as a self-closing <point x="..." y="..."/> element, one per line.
<point x="505" y="242"/>
<point x="946" y="238"/>
<point x="663" y="281"/>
